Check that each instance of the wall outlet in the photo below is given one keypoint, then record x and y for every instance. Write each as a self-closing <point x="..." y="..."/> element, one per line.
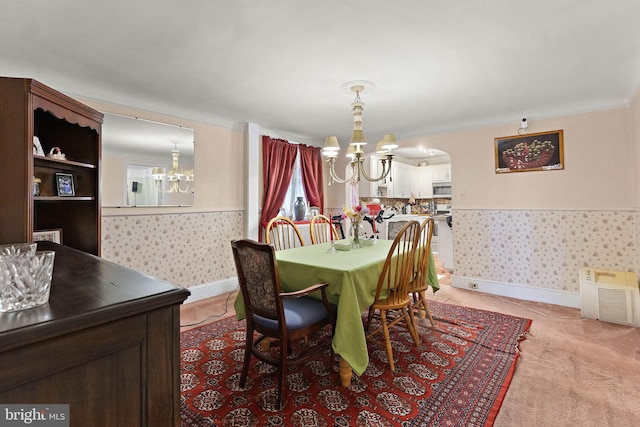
<point x="473" y="285"/>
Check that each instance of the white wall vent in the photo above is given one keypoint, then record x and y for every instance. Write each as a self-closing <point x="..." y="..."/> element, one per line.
<point x="611" y="296"/>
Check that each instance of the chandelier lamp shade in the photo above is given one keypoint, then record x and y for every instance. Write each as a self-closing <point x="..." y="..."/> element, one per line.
<point x="356" y="146"/>
<point x="177" y="179"/>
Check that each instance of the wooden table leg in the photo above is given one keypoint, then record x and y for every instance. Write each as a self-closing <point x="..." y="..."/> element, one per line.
<point x="345" y="373"/>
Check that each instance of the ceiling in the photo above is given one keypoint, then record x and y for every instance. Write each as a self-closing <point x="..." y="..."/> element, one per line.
<point x="437" y="66"/>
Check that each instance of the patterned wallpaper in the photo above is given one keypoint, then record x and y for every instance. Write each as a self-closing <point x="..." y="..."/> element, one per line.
<point x="184" y="249"/>
<point x="543" y="249"/>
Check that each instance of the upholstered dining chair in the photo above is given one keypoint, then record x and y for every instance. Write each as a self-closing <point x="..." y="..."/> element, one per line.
<point x="322" y="230"/>
<point x="285" y="318"/>
<point x="392" y="294"/>
<point x="419" y="285"/>
<point x="282" y="233"/>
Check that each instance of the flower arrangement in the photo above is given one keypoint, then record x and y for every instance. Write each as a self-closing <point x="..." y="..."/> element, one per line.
<point x="356" y="215"/>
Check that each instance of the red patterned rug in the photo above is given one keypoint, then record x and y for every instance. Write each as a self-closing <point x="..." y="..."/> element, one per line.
<point x="457" y="377"/>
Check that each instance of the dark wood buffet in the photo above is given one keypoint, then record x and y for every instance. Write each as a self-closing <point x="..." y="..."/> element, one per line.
<point x="107" y="344"/>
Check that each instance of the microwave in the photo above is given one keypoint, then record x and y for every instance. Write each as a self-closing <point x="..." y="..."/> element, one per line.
<point x="441" y="189"/>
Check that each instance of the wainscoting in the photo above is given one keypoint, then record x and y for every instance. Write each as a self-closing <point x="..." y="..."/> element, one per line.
<point x="527" y="254"/>
<point x="185" y="249"/>
<point x="538" y="251"/>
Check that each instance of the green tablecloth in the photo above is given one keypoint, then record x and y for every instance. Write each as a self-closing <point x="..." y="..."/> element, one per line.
<point x="352" y="277"/>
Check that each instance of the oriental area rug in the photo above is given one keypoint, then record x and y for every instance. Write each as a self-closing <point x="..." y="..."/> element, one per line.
<point x="458" y="376"/>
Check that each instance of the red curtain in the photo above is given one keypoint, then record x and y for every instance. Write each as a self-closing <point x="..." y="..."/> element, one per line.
<point x="278" y="159"/>
<point x="311" y="167"/>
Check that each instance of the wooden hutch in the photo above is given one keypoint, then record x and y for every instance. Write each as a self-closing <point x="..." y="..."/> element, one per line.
<point x="30" y="109"/>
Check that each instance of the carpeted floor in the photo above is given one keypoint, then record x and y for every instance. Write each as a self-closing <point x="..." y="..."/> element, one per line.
<point x="458" y="376"/>
<point x="573" y="371"/>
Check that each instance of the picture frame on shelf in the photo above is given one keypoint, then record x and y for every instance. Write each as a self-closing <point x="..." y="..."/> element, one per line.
<point x="53" y="235"/>
<point x="541" y="151"/>
<point x="37" y="147"/>
<point x="65" y="185"/>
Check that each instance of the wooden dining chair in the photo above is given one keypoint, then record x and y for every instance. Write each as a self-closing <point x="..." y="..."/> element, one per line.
<point x="394" y="228"/>
<point x="322" y="230"/>
<point x="282" y="317"/>
<point x="282" y="233"/>
<point x="419" y="284"/>
<point x="392" y="293"/>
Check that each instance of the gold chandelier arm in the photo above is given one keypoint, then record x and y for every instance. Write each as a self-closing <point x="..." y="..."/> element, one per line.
<point x="157" y="183"/>
<point x="335" y="177"/>
<point x="385" y="171"/>
<point x="174" y="187"/>
<point x="187" y="188"/>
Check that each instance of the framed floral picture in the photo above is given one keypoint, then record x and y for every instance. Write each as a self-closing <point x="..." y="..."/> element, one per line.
<point x="530" y="152"/>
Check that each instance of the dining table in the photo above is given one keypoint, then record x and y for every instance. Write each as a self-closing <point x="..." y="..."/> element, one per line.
<point x="352" y="276"/>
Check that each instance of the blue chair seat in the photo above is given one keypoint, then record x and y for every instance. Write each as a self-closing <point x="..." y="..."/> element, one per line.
<point x="298" y="312"/>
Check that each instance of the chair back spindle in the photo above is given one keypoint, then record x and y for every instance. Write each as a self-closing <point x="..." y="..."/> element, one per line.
<point x="322" y="230"/>
<point x="282" y="233"/>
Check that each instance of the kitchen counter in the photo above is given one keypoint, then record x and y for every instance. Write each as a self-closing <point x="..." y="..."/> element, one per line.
<point x="406" y="217"/>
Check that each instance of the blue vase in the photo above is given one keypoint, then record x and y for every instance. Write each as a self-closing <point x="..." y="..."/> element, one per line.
<point x="299" y="209"/>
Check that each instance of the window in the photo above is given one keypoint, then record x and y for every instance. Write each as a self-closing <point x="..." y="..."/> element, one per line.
<point x="296" y="189"/>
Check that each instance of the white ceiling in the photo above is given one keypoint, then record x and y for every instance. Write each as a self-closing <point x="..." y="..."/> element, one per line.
<point x="437" y="66"/>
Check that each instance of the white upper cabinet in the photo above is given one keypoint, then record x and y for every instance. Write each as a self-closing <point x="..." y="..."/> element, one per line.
<point x="405" y="180"/>
<point x="441" y="173"/>
<point x="425" y="183"/>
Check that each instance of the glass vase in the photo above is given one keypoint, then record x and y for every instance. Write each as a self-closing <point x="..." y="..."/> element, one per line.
<point x="355" y="229"/>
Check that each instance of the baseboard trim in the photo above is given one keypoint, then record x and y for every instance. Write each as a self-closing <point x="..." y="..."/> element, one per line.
<point x="212" y="289"/>
<point x="519" y="291"/>
<point x="512" y="290"/>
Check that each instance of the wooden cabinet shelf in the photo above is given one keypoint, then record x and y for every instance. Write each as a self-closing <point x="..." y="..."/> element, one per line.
<point x="57" y="163"/>
<point x="30" y="109"/>
<point x="62" y="198"/>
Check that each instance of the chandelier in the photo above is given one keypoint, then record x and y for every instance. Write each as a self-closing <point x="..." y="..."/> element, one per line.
<point x="356" y="146"/>
<point x="176" y="176"/>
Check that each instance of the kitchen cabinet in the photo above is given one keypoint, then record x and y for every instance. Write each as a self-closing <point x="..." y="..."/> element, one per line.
<point x="404" y="180"/>
<point x="441" y="173"/>
<point x="425" y="183"/>
<point x="30" y="109"/>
